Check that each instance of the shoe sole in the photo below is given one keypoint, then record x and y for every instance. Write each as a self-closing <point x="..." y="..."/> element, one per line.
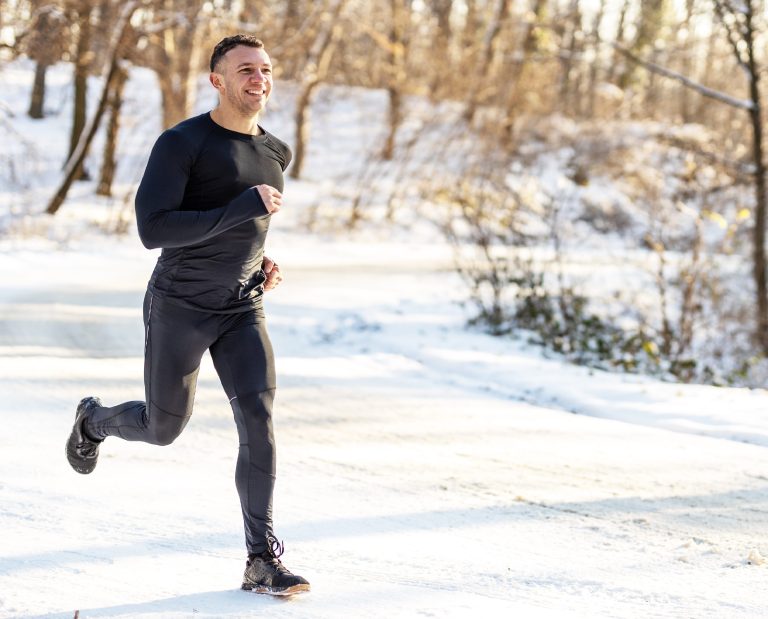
<point x="78" y="464"/>
<point x="279" y="592"/>
<point x="74" y="462"/>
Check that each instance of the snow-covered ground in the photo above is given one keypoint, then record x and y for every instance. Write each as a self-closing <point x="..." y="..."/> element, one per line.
<point x="424" y="470"/>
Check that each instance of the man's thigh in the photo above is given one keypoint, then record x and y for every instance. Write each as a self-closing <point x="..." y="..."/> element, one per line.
<point x="243" y="356"/>
<point x="176" y="339"/>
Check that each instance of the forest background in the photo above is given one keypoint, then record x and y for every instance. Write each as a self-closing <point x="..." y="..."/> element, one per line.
<point x="547" y="140"/>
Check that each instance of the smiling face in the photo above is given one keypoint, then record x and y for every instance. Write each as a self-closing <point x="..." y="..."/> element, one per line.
<point x="243" y="78"/>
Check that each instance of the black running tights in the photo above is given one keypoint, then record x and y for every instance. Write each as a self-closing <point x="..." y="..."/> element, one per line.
<point x="176" y="339"/>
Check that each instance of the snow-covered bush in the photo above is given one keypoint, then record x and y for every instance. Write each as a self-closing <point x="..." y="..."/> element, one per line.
<point x="623" y="245"/>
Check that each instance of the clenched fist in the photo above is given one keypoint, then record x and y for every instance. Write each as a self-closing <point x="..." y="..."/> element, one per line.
<point x="272" y="271"/>
<point x="271" y="197"/>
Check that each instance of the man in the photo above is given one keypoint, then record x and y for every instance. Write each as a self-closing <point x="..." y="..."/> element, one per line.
<point x="211" y="185"/>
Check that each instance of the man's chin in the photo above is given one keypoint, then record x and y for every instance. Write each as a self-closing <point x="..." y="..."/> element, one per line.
<point x="253" y="110"/>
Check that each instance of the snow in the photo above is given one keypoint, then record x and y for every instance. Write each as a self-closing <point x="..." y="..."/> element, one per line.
<point x="424" y="470"/>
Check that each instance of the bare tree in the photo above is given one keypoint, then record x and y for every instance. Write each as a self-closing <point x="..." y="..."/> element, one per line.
<point x="572" y="32"/>
<point x="398" y="46"/>
<point x="687" y="60"/>
<point x="173" y="52"/>
<point x="740" y="20"/>
<point x="741" y="23"/>
<point x="114" y="106"/>
<point x="441" y="48"/>
<point x="120" y="37"/>
<point x="483" y="86"/>
<point x="315" y="71"/>
<point x="593" y="68"/>
<point x="520" y="66"/>
<point x="648" y="24"/>
<point x="80" y="12"/>
<point x="618" y="39"/>
<point x="45" y="45"/>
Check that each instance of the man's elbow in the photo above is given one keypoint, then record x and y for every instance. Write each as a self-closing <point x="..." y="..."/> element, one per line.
<point x="150" y="244"/>
<point x="148" y="239"/>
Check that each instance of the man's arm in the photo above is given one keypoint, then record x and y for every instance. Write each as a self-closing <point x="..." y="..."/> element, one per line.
<point x="161" y="191"/>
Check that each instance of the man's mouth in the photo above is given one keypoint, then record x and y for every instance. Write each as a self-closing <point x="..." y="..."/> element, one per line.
<point x="256" y="92"/>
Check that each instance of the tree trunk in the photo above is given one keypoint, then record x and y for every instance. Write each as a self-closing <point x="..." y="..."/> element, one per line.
<point x="756" y="119"/>
<point x="289" y="28"/>
<point x="302" y="127"/>
<point x="486" y="61"/>
<point x="702" y="111"/>
<point x="652" y="91"/>
<point x="395" y="116"/>
<point x="573" y="28"/>
<point x="686" y="113"/>
<point x="291" y="19"/>
<point x="82" y="62"/>
<point x="178" y="84"/>
<point x="37" y="101"/>
<point x="439" y="85"/>
<point x="317" y="65"/>
<point x="471" y="25"/>
<point x="593" y="68"/>
<point x="109" y="163"/>
<point x="518" y="71"/>
<point x="175" y="54"/>
<point x="619" y="41"/>
<point x="44" y="42"/>
<point x="648" y="26"/>
<point x="396" y="77"/>
<point x="175" y="100"/>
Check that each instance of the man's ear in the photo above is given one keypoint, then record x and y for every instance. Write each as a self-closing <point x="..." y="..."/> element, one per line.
<point x="215" y="79"/>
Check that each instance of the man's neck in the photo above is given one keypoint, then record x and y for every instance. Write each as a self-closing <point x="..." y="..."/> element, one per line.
<point x="235" y="122"/>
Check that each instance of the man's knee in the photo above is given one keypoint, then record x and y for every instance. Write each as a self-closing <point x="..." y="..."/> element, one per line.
<point x="256" y="404"/>
<point x="166" y="428"/>
<point x="253" y="414"/>
<point x="163" y="439"/>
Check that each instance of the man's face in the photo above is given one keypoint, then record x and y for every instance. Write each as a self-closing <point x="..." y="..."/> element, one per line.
<point x="243" y="78"/>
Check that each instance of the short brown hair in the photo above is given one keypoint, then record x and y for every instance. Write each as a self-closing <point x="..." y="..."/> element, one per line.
<point x="223" y="46"/>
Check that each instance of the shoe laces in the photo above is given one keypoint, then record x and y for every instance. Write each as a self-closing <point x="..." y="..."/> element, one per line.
<point x="274" y="551"/>
<point x="87" y="448"/>
<point x="276" y="548"/>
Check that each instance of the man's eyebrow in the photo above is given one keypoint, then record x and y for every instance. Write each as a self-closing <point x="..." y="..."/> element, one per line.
<point x="249" y="64"/>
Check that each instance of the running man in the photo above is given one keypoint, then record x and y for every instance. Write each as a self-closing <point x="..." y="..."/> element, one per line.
<point x="206" y="198"/>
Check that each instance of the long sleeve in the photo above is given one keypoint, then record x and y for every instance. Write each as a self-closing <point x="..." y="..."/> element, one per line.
<point x="160" y="221"/>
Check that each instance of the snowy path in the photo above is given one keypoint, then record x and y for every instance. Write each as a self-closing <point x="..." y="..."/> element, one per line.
<point x="413" y="481"/>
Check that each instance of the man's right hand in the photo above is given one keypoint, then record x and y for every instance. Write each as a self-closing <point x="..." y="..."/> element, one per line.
<point x="271" y="197"/>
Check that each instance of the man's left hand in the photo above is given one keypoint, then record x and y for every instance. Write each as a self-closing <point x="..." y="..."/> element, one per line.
<point x="272" y="271"/>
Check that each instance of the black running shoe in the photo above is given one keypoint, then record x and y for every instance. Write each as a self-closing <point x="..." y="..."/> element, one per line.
<point x="265" y="573"/>
<point x="82" y="452"/>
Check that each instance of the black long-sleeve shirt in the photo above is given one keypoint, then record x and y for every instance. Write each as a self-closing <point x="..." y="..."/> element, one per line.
<point x="197" y="202"/>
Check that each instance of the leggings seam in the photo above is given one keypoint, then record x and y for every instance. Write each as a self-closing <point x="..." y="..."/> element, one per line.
<point x="104" y="424"/>
<point x="232" y="382"/>
<point x="148" y="357"/>
<point x="165" y="412"/>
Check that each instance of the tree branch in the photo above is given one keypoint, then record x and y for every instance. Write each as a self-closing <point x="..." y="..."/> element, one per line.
<point x="720" y="10"/>
<point x="743" y="104"/>
<point x="296" y="38"/>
